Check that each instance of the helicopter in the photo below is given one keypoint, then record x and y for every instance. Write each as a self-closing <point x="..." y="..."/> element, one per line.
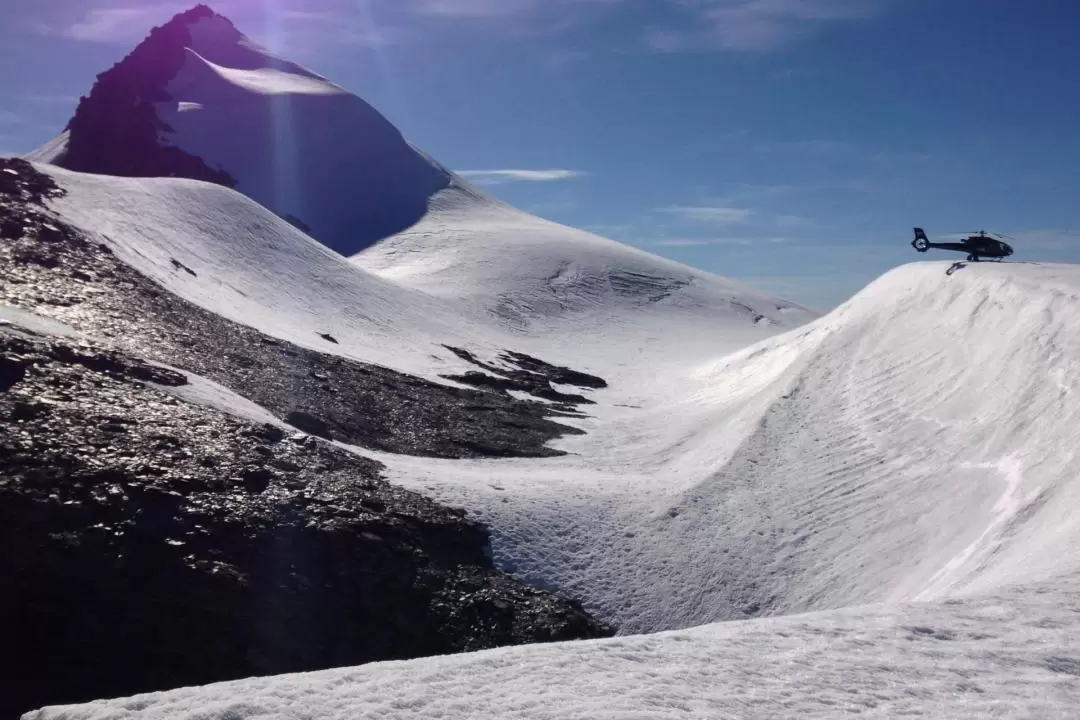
<point x="977" y="245"/>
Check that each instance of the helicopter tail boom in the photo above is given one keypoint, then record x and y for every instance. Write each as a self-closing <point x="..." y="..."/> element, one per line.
<point x="921" y="242"/>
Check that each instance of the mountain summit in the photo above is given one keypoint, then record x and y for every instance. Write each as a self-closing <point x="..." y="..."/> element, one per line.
<point x="198" y="99"/>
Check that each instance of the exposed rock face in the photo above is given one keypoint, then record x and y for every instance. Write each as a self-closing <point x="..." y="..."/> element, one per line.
<point x="116" y="130"/>
<point x="527" y="374"/>
<point x="150" y="543"/>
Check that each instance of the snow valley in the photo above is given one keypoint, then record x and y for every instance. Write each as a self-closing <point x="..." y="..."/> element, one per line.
<point x="350" y="418"/>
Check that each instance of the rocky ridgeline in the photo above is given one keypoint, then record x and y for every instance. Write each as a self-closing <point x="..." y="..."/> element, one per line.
<point x="150" y="543"/>
<point x="116" y="129"/>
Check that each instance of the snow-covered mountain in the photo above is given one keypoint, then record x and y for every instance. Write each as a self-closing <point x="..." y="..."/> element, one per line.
<point x="878" y="500"/>
<point x="198" y="99"/>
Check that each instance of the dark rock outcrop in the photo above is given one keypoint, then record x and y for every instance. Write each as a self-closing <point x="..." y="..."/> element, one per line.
<point x="528" y="375"/>
<point x="149" y="544"/>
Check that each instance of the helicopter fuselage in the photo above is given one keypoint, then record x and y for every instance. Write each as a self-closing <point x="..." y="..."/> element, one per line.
<point x="976" y="246"/>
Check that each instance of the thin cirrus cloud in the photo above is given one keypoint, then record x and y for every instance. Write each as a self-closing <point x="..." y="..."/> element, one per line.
<point x="312" y="24"/>
<point x="483" y="9"/>
<point x="752" y="25"/>
<point x="499" y="177"/>
<point x="478" y="9"/>
<point x="114" y="23"/>
<point x="705" y="242"/>
<point x="733" y="25"/>
<point x="711" y="214"/>
<point x="725" y="215"/>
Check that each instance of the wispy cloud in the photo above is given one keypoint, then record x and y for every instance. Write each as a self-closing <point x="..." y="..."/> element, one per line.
<point x="103" y="24"/>
<point x="498" y="177"/>
<point x="705" y="242"/>
<point x="474" y="8"/>
<point x="753" y="25"/>
<point x="487" y="9"/>
<point x="814" y="146"/>
<point x="734" y="25"/>
<point x="666" y="40"/>
<point x="712" y="214"/>
<point x="115" y="24"/>
<point x="335" y="28"/>
<point x="755" y="223"/>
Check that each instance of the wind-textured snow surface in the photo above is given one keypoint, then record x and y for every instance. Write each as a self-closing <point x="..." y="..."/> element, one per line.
<point x="917" y="443"/>
<point x="573" y="293"/>
<point x="993" y="657"/>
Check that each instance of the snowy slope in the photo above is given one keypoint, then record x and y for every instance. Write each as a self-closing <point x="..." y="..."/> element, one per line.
<point x="1011" y="655"/>
<point x="918" y="442"/>
<point x="911" y="457"/>
<point x="253" y="267"/>
<point x="571" y="292"/>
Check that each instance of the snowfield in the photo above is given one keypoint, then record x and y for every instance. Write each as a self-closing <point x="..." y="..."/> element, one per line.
<point x="992" y="657"/>
<point x="915" y="444"/>
<point x="901" y="468"/>
<point x="786" y="515"/>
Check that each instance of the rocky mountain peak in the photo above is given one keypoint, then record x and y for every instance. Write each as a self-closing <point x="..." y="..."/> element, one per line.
<point x="115" y="129"/>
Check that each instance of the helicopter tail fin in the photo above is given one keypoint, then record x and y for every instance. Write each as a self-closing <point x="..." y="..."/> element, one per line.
<point x="921" y="242"/>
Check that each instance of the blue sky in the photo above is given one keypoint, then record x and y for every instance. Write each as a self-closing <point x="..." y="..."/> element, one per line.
<point x="793" y="143"/>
